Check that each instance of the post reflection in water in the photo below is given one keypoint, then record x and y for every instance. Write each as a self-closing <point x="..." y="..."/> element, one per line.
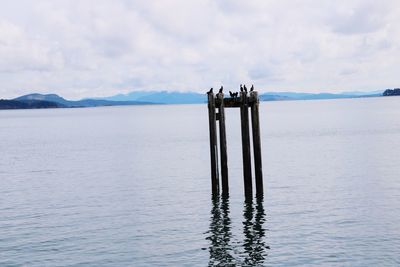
<point x="220" y="234"/>
<point x="254" y="233"/>
<point x="252" y="250"/>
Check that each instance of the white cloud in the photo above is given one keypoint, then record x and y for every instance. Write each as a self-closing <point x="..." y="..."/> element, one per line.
<point x="92" y="48"/>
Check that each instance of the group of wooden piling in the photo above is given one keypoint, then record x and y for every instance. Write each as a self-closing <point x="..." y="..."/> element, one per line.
<point x="244" y="102"/>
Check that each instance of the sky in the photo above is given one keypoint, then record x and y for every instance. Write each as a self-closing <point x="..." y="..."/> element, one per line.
<point x="89" y="48"/>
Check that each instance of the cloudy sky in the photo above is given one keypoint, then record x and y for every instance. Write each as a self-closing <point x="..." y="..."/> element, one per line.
<point x="86" y="48"/>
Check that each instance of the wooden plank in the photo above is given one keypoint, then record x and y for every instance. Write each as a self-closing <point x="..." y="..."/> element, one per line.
<point x="235" y="102"/>
<point x="255" y="123"/>
<point x="244" y="116"/>
<point x="222" y="143"/>
<point x="232" y="102"/>
<point x="213" y="144"/>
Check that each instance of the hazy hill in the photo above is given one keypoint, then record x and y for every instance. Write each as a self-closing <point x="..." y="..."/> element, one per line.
<point x="161" y="97"/>
<point x="40" y="97"/>
<point x="271" y="96"/>
<point x="307" y="96"/>
<point x="361" y="93"/>
<point x="132" y="96"/>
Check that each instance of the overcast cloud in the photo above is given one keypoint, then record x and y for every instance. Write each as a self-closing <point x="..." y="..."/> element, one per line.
<point x="98" y="48"/>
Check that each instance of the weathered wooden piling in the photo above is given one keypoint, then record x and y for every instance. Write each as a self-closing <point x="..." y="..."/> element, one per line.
<point x="244" y="118"/>
<point x="244" y="102"/>
<point x="255" y="123"/>
<point x="222" y="145"/>
<point x="213" y="143"/>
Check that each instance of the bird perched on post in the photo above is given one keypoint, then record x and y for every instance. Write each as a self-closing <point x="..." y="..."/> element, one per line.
<point x="210" y="91"/>
<point x="241" y="88"/>
<point x="231" y="94"/>
<point x="220" y="89"/>
<point x="245" y="88"/>
<point x="252" y="88"/>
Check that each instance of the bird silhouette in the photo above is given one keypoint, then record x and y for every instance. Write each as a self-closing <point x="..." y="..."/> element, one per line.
<point x="245" y="88"/>
<point x="252" y="88"/>
<point x="241" y="88"/>
<point x="220" y="89"/>
<point x="231" y="94"/>
<point x="210" y="91"/>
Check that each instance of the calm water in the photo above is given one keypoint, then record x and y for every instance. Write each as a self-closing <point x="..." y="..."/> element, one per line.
<point x="130" y="186"/>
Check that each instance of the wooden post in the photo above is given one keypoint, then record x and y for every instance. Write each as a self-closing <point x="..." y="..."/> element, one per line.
<point x="222" y="145"/>
<point x="255" y="123"/>
<point x="213" y="144"/>
<point x="244" y="116"/>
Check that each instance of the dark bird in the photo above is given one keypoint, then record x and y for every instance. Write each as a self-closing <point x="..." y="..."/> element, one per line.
<point x="252" y="88"/>
<point x="231" y="94"/>
<point x="241" y="88"/>
<point x="220" y="89"/>
<point x="235" y="94"/>
<point x="210" y="92"/>
<point x="245" y="88"/>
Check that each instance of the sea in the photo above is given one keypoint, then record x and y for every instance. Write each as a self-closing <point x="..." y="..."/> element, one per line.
<point x="131" y="186"/>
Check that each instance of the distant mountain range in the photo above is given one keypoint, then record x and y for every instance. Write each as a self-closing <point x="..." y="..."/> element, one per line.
<point x="166" y="97"/>
<point x="159" y="97"/>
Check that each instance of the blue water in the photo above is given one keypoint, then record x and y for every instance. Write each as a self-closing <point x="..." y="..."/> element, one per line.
<point x="130" y="186"/>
